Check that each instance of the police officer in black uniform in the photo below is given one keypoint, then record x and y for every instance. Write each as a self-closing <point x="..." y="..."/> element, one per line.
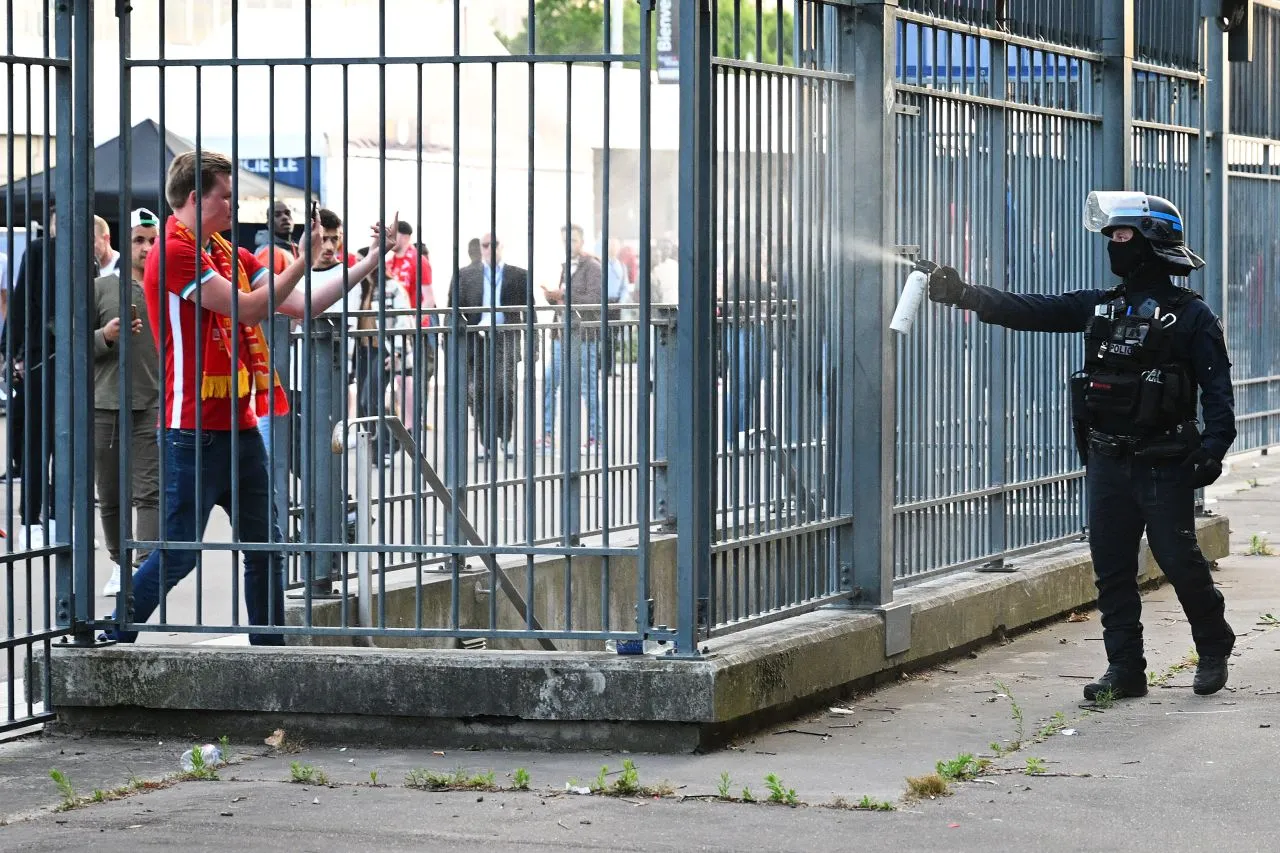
<point x="1149" y="345"/>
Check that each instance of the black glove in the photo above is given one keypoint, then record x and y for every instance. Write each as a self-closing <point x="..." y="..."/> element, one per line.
<point x="946" y="287"/>
<point x="1201" y="468"/>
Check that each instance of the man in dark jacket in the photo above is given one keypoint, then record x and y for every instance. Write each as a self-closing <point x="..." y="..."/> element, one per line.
<point x="29" y="341"/>
<point x="493" y="342"/>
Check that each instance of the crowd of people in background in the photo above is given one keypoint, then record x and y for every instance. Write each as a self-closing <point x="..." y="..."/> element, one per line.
<point x="170" y="325"/>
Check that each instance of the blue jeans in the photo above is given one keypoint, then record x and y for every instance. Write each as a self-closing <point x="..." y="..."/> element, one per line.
<point x="589" y="352"/>
<point x="187" y="514"/>
<point x="747" y="358"/>
<point x="280" y="461"/>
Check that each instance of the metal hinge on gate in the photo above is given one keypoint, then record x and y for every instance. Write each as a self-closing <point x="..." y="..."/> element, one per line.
<point x="123" y="8"/>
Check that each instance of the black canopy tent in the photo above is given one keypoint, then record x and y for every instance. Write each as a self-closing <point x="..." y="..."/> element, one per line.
<point x="150" y="152"/>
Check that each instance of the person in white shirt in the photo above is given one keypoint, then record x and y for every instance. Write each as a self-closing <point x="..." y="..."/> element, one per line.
<point x="330" y="281"/>
<point x="108" y="258"/>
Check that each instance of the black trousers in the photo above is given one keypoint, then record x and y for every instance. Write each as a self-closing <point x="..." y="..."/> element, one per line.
<point x="372" y="379"/>
<point x="1127" y="495"/>
<point x="493" y="385"/>
<point x="37" y="453"/>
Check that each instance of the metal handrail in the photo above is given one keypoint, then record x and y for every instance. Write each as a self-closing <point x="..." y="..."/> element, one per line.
<point x="441" y="493"/>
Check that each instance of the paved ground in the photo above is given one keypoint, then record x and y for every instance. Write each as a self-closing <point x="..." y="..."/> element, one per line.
<point x="1172" y="771"/>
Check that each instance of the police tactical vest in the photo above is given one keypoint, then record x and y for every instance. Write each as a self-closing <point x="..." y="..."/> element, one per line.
<point x="1131" y="372"/>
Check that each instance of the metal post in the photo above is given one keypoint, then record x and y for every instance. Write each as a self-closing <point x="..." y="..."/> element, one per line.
<point x="695" y="417"/>
<point x="1116" y="138"/>
<point x="73" y="393"/>
<point x="1216" y="180"/>
<point x="278" y="329"/>
<point x="999" y="265"/>
<point x="664" y="413"/>
<point x="865" y="489"/>
<point x="323" y="518"/>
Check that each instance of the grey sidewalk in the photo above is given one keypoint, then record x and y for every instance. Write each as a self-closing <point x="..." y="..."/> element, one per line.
<point x="1170" y="772"/>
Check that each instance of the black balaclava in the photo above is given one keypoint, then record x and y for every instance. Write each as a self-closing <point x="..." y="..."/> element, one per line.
<point x="1132" y="258"/>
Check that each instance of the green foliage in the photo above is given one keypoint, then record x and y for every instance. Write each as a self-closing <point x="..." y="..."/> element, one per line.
<point x="629" y="782"/>
<point x="1035" y="766"/>
<point x="576" y="27"/>
<point x="778" y="793"/>
<point x="200" y="771"/>
<point x="458" y="780"/>
<point x="961" y="768"/>
<point x="305" y="774"/>
<point x="68" y="793"/>
<point x="747" y="796"/>
<point x="867" y="803"/>
<point x="373" y="777"/>
<point x="427" y="780"/>
<point x="521" y="779"/>
<point x="1019" y="724"/>
<point x="1260" y="547"/>
<point x="722" y="788"/>
<point x="1055" y="724"/>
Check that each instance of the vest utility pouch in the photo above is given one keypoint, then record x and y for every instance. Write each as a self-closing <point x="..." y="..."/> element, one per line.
<point x="1108" y="393"/>
<point x="1151" y="400"/>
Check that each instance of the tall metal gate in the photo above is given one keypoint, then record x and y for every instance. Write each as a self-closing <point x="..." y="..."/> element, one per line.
<point x="40" y="450"/>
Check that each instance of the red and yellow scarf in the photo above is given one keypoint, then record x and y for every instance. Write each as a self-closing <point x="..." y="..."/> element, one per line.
<point x="253" y="373"/>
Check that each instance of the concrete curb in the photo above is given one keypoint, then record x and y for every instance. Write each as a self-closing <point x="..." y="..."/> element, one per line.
<point x="591" y="700"/>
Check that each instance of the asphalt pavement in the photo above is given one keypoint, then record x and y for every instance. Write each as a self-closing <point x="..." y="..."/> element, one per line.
<point x="1169" y="772"/>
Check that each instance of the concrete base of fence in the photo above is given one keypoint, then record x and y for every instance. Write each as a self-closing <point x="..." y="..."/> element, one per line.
<point x="581" y="700"/>
<point x="430" y="602"/>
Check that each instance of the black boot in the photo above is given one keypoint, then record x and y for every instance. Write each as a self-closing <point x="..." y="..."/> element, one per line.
<point x="1122" y="683"/>
<point x="1211" y="675"/>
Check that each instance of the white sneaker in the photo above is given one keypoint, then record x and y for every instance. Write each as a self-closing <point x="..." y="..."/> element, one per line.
<point x="28" y="538"/>
<point x="112" y="586"/>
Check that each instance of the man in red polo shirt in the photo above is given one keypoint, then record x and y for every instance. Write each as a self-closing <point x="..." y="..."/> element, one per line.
<point x="411" y="266"/>
<point x="217" y="384"/>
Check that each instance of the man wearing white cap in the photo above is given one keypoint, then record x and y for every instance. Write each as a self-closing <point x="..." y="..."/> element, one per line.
<point x="111" y="318"/>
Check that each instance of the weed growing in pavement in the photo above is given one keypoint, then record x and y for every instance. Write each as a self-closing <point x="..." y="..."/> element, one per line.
<point x="1259" y="547"/>
<point x="1105" y="699"/>
<point x="521" y="779"/>
<point x="1055" y="724"/>
<point x="68" y="793"/>
<point x="458" y="780"/>
<point x="929" y="785"/>
<point x="747" y="796"/>
<point x="305" y="774"/>
<point x="200" y="771"/>
<point x="961" y="768"/>
<point x="629" y="782"/>
<point x="722" y="788"/>
<point x="869" y="804"/>
<point x="778" y="793"/>
<point x="1035" y="766"/>
<point x="1019" y="723"/>
<point x="427" y="780"/>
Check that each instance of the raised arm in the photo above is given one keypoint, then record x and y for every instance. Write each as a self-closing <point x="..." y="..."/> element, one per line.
<point x="1031" y="312"/>
<point x="329" y="292"/>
